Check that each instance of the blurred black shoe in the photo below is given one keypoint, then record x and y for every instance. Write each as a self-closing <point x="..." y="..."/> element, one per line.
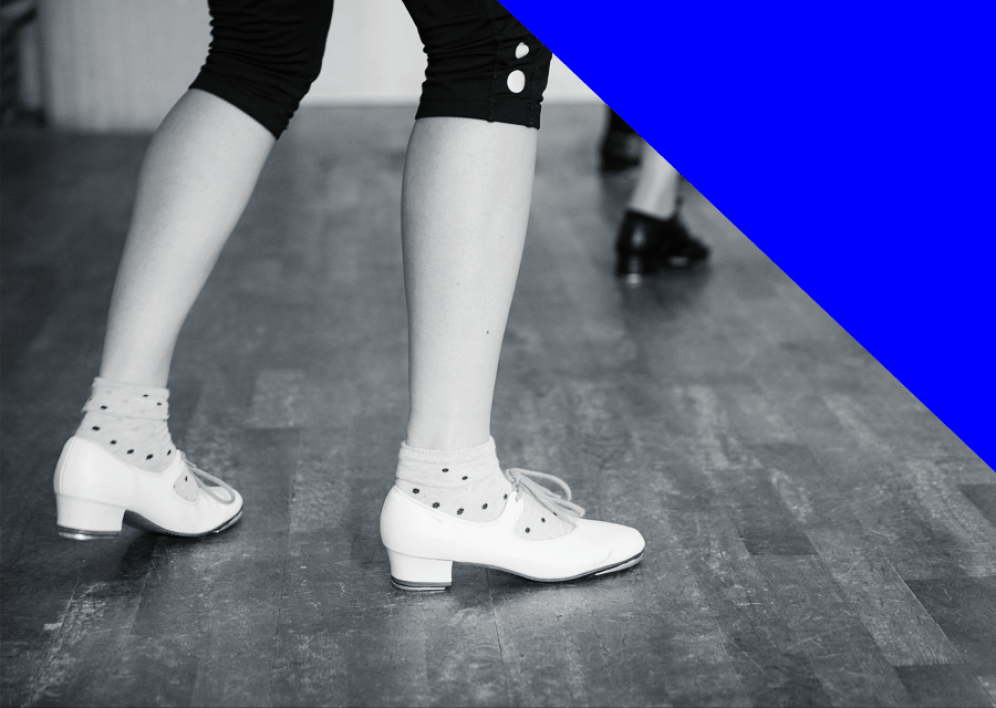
<point x="645" y="245"/>
<point x="621" y="147"/>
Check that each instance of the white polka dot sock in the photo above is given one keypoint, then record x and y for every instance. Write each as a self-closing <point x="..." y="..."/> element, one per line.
<point x="130" y="422"/>
<point x="538" y="523"/>
<point x="469" y="484"/>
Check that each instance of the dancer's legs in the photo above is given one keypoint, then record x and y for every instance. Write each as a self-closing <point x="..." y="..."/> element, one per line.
<point x="656" y="192"/>
<point x="197" y="176"/>
<point x="652" y="235"/>
<point x="467" y="190"/>
<point x="196" y="179"/>
<point x="465" y="207"/>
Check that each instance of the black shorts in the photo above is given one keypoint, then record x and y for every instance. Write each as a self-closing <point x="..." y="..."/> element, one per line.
<point x="483" y="63"/>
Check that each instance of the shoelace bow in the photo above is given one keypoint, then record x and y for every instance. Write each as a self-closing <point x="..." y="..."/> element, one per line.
<point x="547" y="498"/>
<point x="200" y="476"/>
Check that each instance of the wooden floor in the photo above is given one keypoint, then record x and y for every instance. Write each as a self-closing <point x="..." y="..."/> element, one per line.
<point x="815" y="535"/>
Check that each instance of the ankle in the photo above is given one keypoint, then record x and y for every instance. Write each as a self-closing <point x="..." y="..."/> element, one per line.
<point x="467" y="483"/>
<point x="130" y="422"/>
<point x="651" y="218"/>
<point x="447" y="434"/>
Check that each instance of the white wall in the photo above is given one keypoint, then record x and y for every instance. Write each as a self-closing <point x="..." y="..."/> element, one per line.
<point x="120" y="64"/>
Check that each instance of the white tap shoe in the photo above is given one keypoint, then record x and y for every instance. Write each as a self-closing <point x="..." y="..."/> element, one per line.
<point x="423" y="544"/>
<point x="95" y="492"/>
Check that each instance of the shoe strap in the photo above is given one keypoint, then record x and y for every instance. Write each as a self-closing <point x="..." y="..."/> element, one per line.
<point x="550" y="500"/>
<point x="202" y="477"/>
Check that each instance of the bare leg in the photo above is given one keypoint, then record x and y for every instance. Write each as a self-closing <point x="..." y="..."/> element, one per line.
<point x="652" y="235"/>
<point x="197" y="176"/>
<point x="656" y="192"/>
<point x="467" y="191"/>
<point x="465" y="207"/>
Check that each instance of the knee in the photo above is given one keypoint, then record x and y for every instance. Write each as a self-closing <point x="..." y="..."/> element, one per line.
<point x="264" y="61"/>
<point x="483" y="63"/>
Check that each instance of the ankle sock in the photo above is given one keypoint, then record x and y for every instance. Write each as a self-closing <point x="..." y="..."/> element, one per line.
<point x="470" y="485"/>
<point x="129" y="421"/>
<point x="466" y="483"/>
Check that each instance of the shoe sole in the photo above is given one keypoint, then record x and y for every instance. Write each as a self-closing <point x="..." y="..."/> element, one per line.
<point x="140" y="522"/>
<point x="439" y="587"/>
<point x="634" y="269"/>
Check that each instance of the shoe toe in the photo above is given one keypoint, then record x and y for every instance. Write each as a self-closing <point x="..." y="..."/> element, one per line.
<point x="630" y="545"/>
<point x="618" y="543"/>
